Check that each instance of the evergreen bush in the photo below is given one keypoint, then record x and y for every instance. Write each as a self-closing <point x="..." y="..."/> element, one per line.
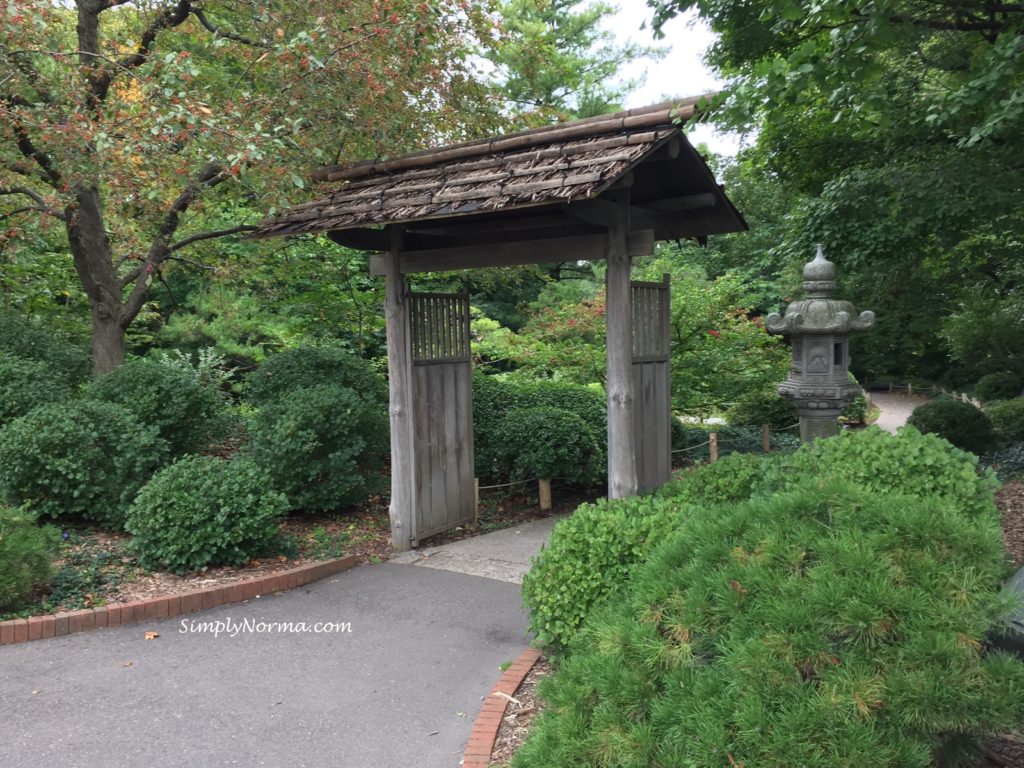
<point x="185" y="412"/>
<point x="304" y="367"/>
<point x="83" y="458"/>
<point x="26" y="555"/>
<point x="960" y="423"/>
<point x="552" y="444"/>
<point x="323" y="447"/>
<point x="26" y="384"/>
<point x="1007" y="418"/>
<point x="999" y="386"/>
<point x="762" y="406"/>
<point x="830" y="625"/>
<point x="31" y="340"/>
<point x="203" y="511"/>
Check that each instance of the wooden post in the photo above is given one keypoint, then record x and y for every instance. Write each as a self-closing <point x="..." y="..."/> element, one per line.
<point x="910" y="390"/>
<point x="476" y="503"/>
<point x="622" y="475"/>
<point x="766" y="438"/>
<point x="403" y="465"/>
<point x="544" y="489"/>
<point x="713" y="447"/>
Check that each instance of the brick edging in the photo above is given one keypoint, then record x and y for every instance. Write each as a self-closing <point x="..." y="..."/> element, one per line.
<point x="485" y="729"/>
<point x="115" y="614"/>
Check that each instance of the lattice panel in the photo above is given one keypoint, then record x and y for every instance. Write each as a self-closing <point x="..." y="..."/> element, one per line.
<point x="650" y="321"/>
<point x="439" y="327"/>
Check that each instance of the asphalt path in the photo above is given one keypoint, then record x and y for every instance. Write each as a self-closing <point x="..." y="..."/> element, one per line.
<point x="402" y="688"/>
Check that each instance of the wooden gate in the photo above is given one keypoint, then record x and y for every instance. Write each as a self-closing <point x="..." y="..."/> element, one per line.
<point x="442" y="399"/>
<point x="652" y="404"/>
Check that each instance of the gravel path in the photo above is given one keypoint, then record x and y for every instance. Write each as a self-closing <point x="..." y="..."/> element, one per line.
<point x="895" y="409"/>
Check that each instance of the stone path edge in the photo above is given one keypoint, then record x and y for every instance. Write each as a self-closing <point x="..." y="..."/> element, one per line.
<point x="485" y="730"/>
<point x="115" y="614"/>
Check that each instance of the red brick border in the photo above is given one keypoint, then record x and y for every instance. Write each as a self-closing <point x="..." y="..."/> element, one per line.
<point x="485" y="730"/>
<point x="165" y="606"/>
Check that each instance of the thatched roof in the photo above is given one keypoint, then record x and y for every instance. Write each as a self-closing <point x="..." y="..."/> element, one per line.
<point x="551" y="165"/>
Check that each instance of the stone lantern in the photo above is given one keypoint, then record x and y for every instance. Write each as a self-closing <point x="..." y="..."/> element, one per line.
<point x="819" y="328"/>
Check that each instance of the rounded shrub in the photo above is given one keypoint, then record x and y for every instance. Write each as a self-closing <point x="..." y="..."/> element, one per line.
<point x="203" y="511"/>
<point x="828" y="625"/>
<point x="26" y="384"/>
<point x="84" y="458"/>
<point x="1007" y="417"/>
<point x="323" y="447"/>
<point x="730" y="479"/>
<point x="908" y="462"/>
<point x="960" y="423"/>
<point x="304" y="367"/>
<point x="28" y="339"/>
<point x="999" y="386"/>
<point x="762" y="406"/>
<point x="185" y="412"/>
<point x="552" y="444"/>
<point x="26" y="555"/>
<point x="589" y="555"/>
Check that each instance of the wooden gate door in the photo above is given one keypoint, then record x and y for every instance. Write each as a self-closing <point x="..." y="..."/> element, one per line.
<point x="442" y="400"/>
<point x="652" y="404"/>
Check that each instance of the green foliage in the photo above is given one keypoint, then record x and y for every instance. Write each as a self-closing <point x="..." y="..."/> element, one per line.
<point x="203" y="511"/>
<point x="589" y="555"/>
<point x="302" y="367"/>
<point x="321" y="446"/>
<point x="691" y="440"/>
<point x="964" y="425"/>
<point x="908" y="462"/>
<point x="998" y="386"/>
<point x="551" y="443"/>
<point x="730" y="479"/>
<point x="25" y="384"/>
<point x="83" y="458"/>
<point x="26" y="553"/>
<point x="827" y="621"/>
<point x="1007" y="418"/>
<point x="184" y="411"/>
<point x="31" y="340"/>
<point x="493" y="398"/>
<point x="762" y="406"/>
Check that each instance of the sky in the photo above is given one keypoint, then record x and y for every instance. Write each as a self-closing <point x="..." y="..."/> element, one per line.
<point x="680" y="73"/>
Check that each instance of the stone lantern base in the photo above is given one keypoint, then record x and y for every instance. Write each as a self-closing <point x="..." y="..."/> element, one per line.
<point x="817" y="424"/>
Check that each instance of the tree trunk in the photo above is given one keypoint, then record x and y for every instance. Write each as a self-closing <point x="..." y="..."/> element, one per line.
<point x="90" y="247"/>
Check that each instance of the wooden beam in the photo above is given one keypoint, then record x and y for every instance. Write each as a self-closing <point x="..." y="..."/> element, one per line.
<point x="684" y="203"/>
<point x="546" y="251"/>
<point x="622" y="474"/>
<point x="403" y="464"/>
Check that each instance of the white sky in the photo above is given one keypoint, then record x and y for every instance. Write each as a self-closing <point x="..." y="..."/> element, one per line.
<point x="680" y="73"/>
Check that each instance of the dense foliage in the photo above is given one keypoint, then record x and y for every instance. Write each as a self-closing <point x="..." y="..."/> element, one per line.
<point x="281" y="374"/>
<point x="1007" y="418"/>
<point x="25" y="384"/>
<point x="827" y="621"/>
<point x="67" y="359"/>
<point x="204" y="511"/>
<point x="185" y="411"/>
<point x="322" y="446"/>
<point x="998" y="386"/>
<point x="82" y="459"/>
<point x="26" y="552"/>
<point x="551" y="443"/>
<point x="963" y="424"/>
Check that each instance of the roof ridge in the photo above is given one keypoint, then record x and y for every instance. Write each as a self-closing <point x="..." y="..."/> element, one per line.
<point x="664" y="113"/>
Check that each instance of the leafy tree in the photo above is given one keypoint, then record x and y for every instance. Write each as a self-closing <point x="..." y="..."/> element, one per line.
<point x="123" y="121"/>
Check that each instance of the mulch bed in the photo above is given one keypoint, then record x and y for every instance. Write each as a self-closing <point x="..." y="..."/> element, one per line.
<point x="519" y="716"/>
<point x="1010" y="501"/>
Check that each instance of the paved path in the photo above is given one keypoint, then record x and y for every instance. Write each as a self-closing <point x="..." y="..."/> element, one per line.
<point x="895" y="409"/>
<point x="402" y="689"/>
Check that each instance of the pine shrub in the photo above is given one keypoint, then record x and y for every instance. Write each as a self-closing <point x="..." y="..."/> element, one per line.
<point x="204" y="511"/>
<point x="185" y="412"/>
<point x="26" y="384"/>
<point x="999" y="386"/>
<point x="323" y="447"/>
<point x="27" y="550"/>
<point x="82" y="459"/>
<point x="1007" y="417"/>
<point x="552" y="444"/>
<point x="305" y="367"/>
<point x="829" y="625"/>
<point x="960" y="423"/>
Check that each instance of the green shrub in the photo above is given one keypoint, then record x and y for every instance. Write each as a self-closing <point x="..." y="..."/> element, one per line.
<point x="550" y="443"/>
<point x="999" y="386"/>
<point x="185" y="412"/>
<point x="323" y="447"/>
<point x="493" y="398"/>
<point x="1007" y="418"/>
<point x="204" y="511"/>
<point x="82" y="458"/>
<point x="908" y="462"/>
<point x="31" y="340"/>
<point x="826" y="626"/>
<point x="589" y="555"/>
<point x="690" y="440"/>
<point x="762" y="406"/>
<point x="730" y="479"/>
<point x="26" y="555"/>
<point x="25" y="384"/>
<point x="960" y="423"/>
<point x="1007" y="462"/>
<point x="306" y="367"/>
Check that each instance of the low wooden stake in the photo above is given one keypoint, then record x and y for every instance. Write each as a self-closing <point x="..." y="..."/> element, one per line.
<point x="714" y="447"/>
<point x="476" y="501"/>
<point x="544" y="486"/>
<point x="766" y="438"/>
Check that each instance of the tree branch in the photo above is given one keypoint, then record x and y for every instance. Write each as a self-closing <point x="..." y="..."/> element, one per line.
<point x="210" y="235"/>
<point x="200" y="15"/>
<point x="35" y="197"/>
